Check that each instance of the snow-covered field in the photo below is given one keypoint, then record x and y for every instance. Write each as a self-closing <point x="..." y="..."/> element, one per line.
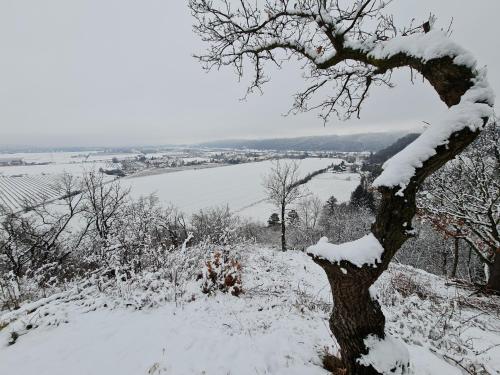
<point x="278" y="326"/>
<point x="58" y="163"/>
<point x="238" y="186"/>
<point x="16" y="192"/>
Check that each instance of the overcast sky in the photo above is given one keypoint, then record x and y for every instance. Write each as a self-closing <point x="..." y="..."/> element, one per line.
<point x="121" y="72"/>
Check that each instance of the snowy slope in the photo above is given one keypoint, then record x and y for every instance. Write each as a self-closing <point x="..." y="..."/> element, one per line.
<point x="278" y="326"/>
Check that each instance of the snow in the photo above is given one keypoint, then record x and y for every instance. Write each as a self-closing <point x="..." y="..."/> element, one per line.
<point x="278" y="326"/>
<point x="425" y="46"/>
<point x="387" y="355"/>
<point x="260" y="333"/>
<point x="428" y="363"/>
<point x="237" y="186"/>
<point x="341" y="185"/>
<point x="74" y="163"/>
<point x="366" y="250"/>
<point x="475" y="105"/>
<point x="193" y="340"/>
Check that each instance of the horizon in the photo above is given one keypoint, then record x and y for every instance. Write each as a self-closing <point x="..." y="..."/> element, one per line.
<point x="7" y="149"/>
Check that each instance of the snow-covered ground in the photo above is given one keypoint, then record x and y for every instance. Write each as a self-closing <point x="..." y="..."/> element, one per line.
<point x="278" y="326"/>
<point x="59" y="162"/>
<point x="238" y="186"/>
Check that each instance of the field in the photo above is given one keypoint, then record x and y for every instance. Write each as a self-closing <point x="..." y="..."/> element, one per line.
<point x="17" y="192"/>
<point x="238" y="186"/>
<point x="54" y="163"/>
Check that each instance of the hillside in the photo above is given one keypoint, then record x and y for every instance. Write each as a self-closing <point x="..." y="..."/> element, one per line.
<point x="279" y="325"/>
<point x="375" y="161"/>
<point x="342" y="143"/>
<point x="383" y="155"/>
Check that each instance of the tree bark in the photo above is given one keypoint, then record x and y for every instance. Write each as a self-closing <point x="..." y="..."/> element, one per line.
<point x="455" y="257"/>
<point x="444" y="264"/>
<point x="283" y="228"/>
<point x="469" y="267"/>
<point x="355" y="315"/>
<point x="494" y="279"/>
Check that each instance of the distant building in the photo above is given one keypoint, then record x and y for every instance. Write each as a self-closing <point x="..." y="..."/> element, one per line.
<point x="11" y="161"/>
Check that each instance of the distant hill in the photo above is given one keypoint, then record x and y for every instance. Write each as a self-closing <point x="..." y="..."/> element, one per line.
<point x="343" y="143"/>
<point x="385" y="154"/>
<point x="375" y="161"/>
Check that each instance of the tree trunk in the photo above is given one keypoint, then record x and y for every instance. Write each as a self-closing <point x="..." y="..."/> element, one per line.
<point x="455" y="258"/>
<point x="494" y="279"/>
<point x="283" y="228"/>
<point x="444" y="263"/>
<point x="355" y="315"/>
<point x="469" y="266"/>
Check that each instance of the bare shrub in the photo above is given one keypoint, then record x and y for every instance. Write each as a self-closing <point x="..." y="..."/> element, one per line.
<point x="222" y="273"/>
<point x="214" y="225"/>
<point x="406" y="285"/>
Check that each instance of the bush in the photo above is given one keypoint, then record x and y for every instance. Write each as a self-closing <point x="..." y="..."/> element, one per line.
<point x="222" y="273"/>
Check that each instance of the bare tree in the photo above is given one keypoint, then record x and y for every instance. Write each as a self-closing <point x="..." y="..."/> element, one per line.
<point x="463" y="201"/>
<point x="103" y="202"/>
<point x="309" y="210"/>
<point x="304" y="228"/>
<point x="41" y="236"/>
<point x="347" y="47"/>
<point x="283" y="187"/>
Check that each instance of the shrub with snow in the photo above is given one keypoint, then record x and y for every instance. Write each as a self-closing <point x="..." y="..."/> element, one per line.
<point x="222" y="273"/>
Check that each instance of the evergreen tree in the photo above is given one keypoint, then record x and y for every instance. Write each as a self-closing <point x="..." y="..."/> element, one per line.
<point x="361" y="197"/>
<point x="292" y="217"/>
<point x="330" y="205"/>
<point x="274" y="220"/>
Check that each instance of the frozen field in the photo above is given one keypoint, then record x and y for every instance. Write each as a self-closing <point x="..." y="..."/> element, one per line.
<point x="238" y="186"/>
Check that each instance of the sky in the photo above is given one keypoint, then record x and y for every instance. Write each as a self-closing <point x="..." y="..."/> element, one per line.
<point x="121" y="72"/>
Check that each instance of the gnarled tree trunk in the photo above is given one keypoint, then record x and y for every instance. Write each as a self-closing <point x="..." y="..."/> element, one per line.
<point x="355" y="314"/>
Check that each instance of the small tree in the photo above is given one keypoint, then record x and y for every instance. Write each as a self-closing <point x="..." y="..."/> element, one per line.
<point x="361" y="197"/>
<point x="309" y="211"/>
<point x="283" y="187"/>
<point x="274" y="220"/>
<point x="330" y="205"/>
<point x="293" y="217"/>
<point x="103" y="203"/>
